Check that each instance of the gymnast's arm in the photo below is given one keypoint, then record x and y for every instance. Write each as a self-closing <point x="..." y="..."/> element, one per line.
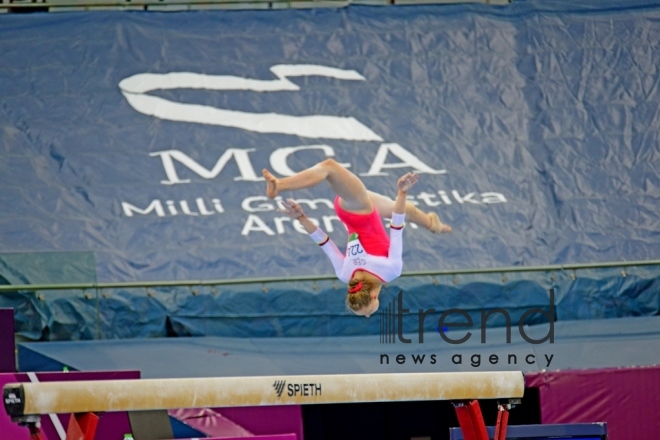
<point x="329" y="247"/>
<point x="398" y="217"/>
<point x="396" y="243"/>
<point x="321" y="238"/>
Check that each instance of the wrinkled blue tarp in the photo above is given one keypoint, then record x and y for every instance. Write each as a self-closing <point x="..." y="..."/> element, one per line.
<point x="139" y="137"/>
<point x="304" y="309"/>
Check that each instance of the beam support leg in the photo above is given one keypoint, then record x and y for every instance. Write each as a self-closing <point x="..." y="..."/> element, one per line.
<point x="82" y="426"/>
<point x="35" y="432"/>
<point x="471" y="420"/>
<point x="502" y="421"/>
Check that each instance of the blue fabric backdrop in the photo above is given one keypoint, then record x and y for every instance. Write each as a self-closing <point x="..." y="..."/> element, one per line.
<point x="139" y="138"/>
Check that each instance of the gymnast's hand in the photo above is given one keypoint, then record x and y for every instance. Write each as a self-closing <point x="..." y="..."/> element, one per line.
<point x="407" y="181"/>
<point x="292" y="208"/>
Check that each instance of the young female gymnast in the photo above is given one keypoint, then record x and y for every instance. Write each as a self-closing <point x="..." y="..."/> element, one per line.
<point x="372" y="258"/>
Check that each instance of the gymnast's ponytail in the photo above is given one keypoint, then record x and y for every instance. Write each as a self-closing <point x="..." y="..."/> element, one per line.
<point x="359" y="294"/>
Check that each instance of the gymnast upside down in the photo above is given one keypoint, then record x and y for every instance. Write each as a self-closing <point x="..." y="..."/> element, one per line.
<point x="372" y="258"/>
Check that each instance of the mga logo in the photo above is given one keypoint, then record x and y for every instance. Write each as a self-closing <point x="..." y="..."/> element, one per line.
<point x="279" y="387"/>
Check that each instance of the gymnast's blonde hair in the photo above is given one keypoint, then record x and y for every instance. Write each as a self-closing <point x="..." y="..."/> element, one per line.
<point x="358" y="295"/>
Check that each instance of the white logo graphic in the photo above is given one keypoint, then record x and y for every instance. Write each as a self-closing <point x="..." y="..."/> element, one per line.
<point x="135" y="88"/>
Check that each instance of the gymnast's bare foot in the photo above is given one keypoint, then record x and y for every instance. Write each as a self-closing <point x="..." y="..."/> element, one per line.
<point x="271" y="184"/>
<point x="437" y="227"/>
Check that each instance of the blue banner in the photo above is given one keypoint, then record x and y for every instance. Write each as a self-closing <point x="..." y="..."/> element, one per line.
<point x="140" y="137"/>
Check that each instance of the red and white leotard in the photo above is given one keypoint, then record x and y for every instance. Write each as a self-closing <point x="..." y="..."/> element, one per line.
<point x="368" y="249"/>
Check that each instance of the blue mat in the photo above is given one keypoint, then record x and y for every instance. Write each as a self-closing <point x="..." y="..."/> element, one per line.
<point x="578" y="345"/>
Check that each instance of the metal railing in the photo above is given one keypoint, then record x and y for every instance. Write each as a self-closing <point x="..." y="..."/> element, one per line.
<point x="270" y="280"/>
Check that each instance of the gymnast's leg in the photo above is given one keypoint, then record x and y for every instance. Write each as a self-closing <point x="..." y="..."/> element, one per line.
<point x="429" y="221"/>
<point x="352" y="193"/>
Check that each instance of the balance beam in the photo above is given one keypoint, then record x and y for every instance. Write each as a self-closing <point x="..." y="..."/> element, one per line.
<point x="22" y="399"/>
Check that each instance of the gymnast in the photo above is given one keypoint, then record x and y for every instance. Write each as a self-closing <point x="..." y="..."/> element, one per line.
<point x="372" y="258"/>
